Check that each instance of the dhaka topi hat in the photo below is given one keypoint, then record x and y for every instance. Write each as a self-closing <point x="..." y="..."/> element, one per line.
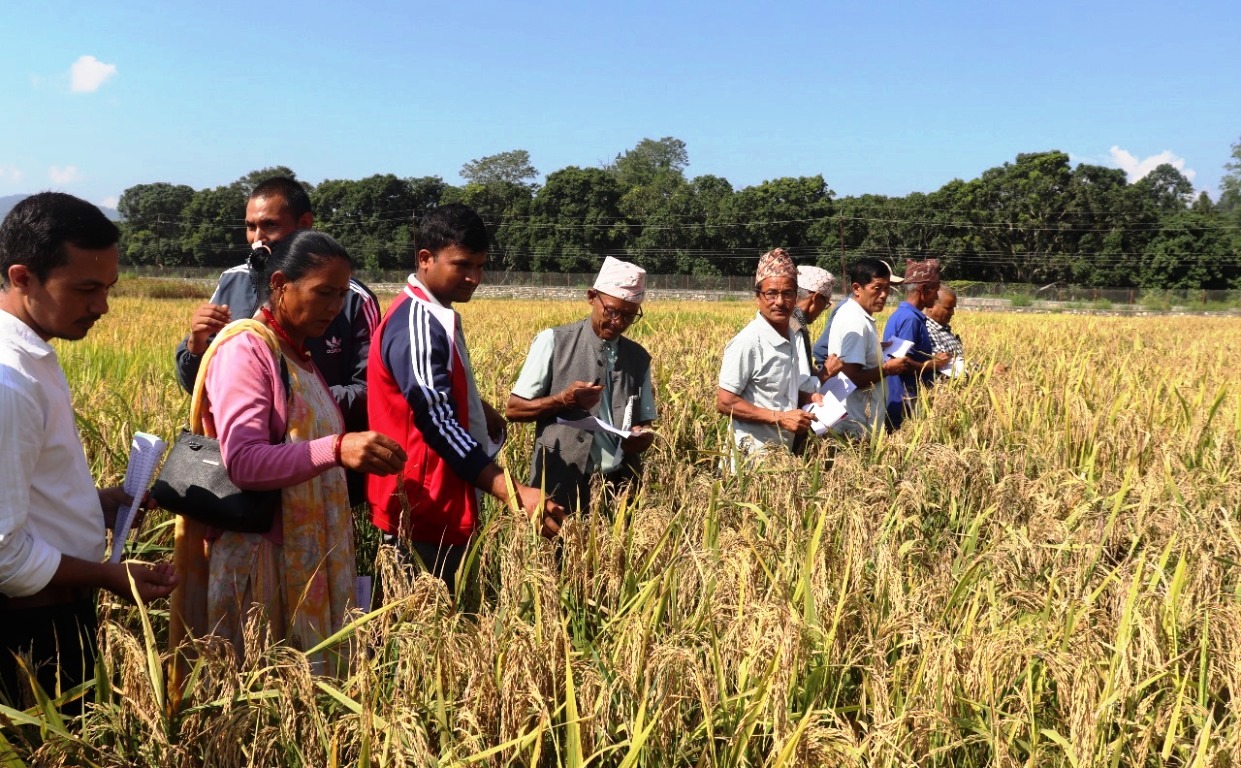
<point x="775" y="263"/>
<point x="815" y="279"/>
<point x="922" y="271"/>
<point x="622" y="280"/>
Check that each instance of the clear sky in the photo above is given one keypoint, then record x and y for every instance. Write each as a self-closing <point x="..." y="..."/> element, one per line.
<point x="879" y="97"/>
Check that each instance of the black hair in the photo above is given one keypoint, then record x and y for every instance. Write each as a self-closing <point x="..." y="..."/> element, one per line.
<point x="36" y="230"/>
<point x="296" y="200"/>
<point x="864" y="271"/>
<point x="448" y="225"/>
<point x="301" y="252"/>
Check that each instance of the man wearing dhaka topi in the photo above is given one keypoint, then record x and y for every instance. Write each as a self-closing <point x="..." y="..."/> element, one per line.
<point x="586" y="370"/>
<point x="762" y="386"/>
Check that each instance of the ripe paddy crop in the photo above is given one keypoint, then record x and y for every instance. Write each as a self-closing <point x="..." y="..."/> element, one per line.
<point x="1044" y="568"/>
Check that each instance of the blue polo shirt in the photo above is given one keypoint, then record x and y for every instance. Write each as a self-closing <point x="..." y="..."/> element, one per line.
<point x="908" y="323"/>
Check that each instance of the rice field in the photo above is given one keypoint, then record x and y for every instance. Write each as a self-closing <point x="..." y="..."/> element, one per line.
<point x="1042" y="569"/>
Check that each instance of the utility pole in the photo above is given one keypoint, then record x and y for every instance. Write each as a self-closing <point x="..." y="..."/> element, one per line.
<point x="843" y="278"/>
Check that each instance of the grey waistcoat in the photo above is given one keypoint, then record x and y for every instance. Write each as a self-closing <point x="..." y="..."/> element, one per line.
<point x="562" y="454"/>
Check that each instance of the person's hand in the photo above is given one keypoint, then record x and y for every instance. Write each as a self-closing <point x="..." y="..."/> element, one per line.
<point x="940" y="359"/>
<point x="796" y="421"/>
<point x="551" y="514"/>
<point x="497" y="425"/>
<point x="897" y="365"/>
<point x="816" y="398"/>
<point x="372" y="452"/>
<point x="831" y="366"/>
<point x="638" y="441"/>
<point x="207" y="321"/>
<point x="152" y="581"/>
<point x="112" y="500"/>
<point x="581" y="394"/>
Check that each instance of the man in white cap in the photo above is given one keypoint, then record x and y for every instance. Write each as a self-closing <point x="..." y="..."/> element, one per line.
<point x="814" y="296"/>
<point x="588" y="368"/>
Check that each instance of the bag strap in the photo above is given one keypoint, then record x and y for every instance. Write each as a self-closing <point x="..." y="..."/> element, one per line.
<point x="251" y="325"/>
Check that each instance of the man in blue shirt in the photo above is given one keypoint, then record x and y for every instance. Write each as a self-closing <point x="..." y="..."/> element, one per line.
<point x="908" y="323"/>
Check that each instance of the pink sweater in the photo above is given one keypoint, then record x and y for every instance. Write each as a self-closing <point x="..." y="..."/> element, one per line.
<point x="245" y="406"/>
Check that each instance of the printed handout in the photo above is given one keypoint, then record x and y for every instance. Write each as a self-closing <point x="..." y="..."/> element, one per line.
<point x="145" y="453"/>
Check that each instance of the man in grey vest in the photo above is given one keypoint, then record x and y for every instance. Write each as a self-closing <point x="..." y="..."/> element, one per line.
<point x="589" y="369"/>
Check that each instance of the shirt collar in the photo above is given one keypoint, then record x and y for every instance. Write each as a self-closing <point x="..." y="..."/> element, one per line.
<point x="849" y="305"/>
<point x="914" y="309"/>
<point x="931" y="321"/>
<point x="27" y="340"/>
<point x="416" y="283"/>
<point x="767" y="333"/>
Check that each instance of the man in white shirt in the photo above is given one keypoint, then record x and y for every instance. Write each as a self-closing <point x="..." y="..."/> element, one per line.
<point x="58" y="260"/>
<point x="853" y="337"/>
<point x="761" y="386"/>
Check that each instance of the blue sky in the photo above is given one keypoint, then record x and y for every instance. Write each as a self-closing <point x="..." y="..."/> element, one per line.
<point x="879" y="97"/>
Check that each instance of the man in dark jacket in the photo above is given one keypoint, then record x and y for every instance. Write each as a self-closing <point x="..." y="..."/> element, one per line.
<point x="585" y="370"/>
<point x="278" y="207"/>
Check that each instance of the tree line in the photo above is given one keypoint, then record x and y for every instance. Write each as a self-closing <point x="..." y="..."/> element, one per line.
<point x="1037" y="219"/>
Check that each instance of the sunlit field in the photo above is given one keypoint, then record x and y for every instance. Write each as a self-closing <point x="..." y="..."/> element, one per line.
<point x="1042" y="569"/>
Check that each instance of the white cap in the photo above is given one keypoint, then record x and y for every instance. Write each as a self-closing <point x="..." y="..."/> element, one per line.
<point x="622" y="280"/>
<point x="815" y="280"/>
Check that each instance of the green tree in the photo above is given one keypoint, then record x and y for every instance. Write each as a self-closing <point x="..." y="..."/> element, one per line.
<point x="1109" y="222"/>
<point x="1190" y="251"/>
<point x="648" y="160"/>
<point x="507" y="168"/>
<point x="792" y="213"/>
<point x="1168" y="189"/>
<point x="575" y="220"/>
<point x="1015" y="217"/>
<point x="1230" y="187"/>
<point x="214" y="232"/>
<point x="151" y="225"/>
<point x="426" y="192"/>
<point x="252" y="179"/>
<point x="371" y="217"/>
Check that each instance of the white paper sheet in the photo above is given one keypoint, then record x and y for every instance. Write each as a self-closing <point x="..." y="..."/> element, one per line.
<point x="955" y="369"/>
<point x="826" y="415"/>
<point x="832" y="410"/>
<point x="593" y="424"/>
<point x="627" y="424"/>
<point x="897" y="348"/>
<point x="839" y="386"/>
<point x="145" y="453"/>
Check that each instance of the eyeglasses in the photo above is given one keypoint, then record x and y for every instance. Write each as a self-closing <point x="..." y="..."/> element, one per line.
<point x="612" y="313"/>
<point x="773" y="295"/>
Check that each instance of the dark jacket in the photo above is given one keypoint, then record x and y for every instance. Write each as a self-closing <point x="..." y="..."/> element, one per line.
<point x="340" y="354"/>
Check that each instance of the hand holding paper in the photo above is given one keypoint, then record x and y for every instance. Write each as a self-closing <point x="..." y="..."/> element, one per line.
<point x="829" y="412"/>
<point x="954" y="369"/>
<point x="145" y="453"/>
<point x="594" y="424"/>
<point x="897" y="348"/>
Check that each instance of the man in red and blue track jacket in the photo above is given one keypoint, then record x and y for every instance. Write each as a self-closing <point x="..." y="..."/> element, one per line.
<point x="422" y="393"/>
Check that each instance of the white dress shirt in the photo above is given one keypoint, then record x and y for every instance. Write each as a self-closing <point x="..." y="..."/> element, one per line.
<point x="48" y="502"/>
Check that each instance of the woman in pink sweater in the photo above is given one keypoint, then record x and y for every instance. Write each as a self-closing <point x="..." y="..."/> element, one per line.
<point x="278" y="425"/>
